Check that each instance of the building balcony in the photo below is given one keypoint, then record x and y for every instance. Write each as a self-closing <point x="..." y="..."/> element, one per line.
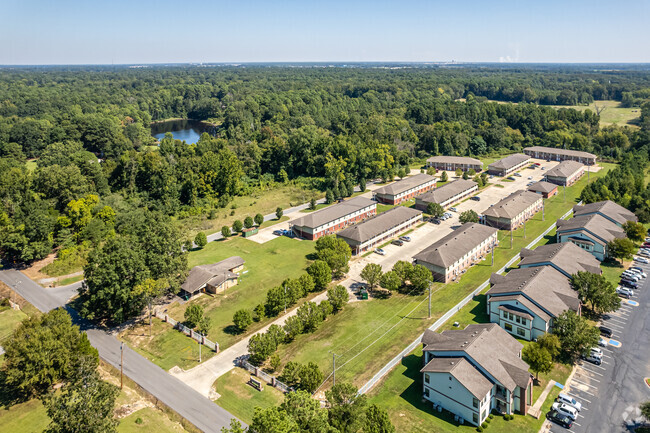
<point x="501" y="396"/>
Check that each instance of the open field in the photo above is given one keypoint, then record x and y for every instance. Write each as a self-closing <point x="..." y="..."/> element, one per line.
<point x="241" y="399"/>
<point x="9" y="320"/>
<point x="612" y="114"/>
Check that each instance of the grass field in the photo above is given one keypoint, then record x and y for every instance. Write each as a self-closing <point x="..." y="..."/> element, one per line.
<point x="368" y="333"/>
<point x="241" y="399"/>
<point x="150" y="420"/>
<point x="9" y="320"/>
<point x="612" y="114"/>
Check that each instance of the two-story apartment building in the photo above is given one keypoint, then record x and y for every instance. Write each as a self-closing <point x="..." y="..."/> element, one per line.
<point x="405" y="189"/>
<point x="447" y="194"/>
<point x="373" y="231"/>
<point x="472" y="371"/>
<point x="565" y="173"/>
<point x="566" y="258"/>
<point x="512" y="211"/>
<point x="508" y="165"/>
<point x="592" y="233"/>
<point x="451" y="255"/>
<point x="525" y="301"/>
<point x="554" y="154"/>
<point x="545" y="189"/>
<point x="333" y="218"/>
<point x="451" y="163"/>
<point x="606" y="209"/>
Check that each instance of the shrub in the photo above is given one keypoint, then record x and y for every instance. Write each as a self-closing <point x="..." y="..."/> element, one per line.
<point x="490" y="417"/>
<point x="479" y="428"/>
<point x="201" y="240"/>
<point x="138" y="420"/>
<point x="484" y="425"/>
<point x="242" y="319"/>
<point x="487" y="420"/>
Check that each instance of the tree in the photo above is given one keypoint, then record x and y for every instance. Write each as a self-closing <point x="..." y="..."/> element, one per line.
<point x="362" y="185"/>
<point x="237" y="226"/>
<point x="310" y="377"/>
<point x="403" y="270"/>
<point x="634" y="231"/>
<point x="338" y="296"/>
<point x="242" y="319"/>
<point x="321" y="274"/>
<point x="575" y="333"/>
<point x="193" y="315"/>
<point x="347" y="408"/>
<point x="274" y="362"/>
<point x="278" y="213"/>
<point x="306" y="412"/>
<point x="310" y="316"/>
<point x="401" y="173"/>
<point x="444" y="177"/>
<point x="293" y="327"/>
<point x="312" y="204"/>
<point x="538" y="358"/>
<point x="645" y="410"/>
<point x="259" y="219"/>
<point x="273" y="420"/>
<point x="326" y="308"/>
<point x="85" y="403"/>
<point x="201" y="240"/>
<point x="335" y="252"/>
<point x="551" y="343"/>
<point x="291" y="374"/>
<point x="259" y="312"/>
<point x="307" y="283"/>
<point x="43" y="351"/>
<point x="465" y="175"/>
<point x="248" y="222"/>
<point x="371" y="273"/>
<point x="390" y="281"/>
<point x="421" y="278"/>
<point x="150" y="290"/>
<point x="377" y="421"/>
<point x="435" y="210"/>
<point x="469" y="216"/>
<point x="459" y="172"/>
<point x="329" y="196"/>
<point x="235" y="427"/>
<point x="622" y="249"/>
<point x="260" y="347"/>
<point x="594" y="290"/>
<point x="225" y="232"/>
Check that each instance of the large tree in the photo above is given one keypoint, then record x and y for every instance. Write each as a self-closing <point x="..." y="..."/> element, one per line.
<point x="371" y="273"/>
<point x="469" y="216"/>
<point x="347" y="408"/>
<point x="635" y="231"/>
<point x="306" y="412"/>
<point x="435" y="210"/>
<point x="594" y="290"/>
<point x="576" y="334"/>
<point x="622" y="249"/>
<point x="538" y="358"/>
<point x="335" y="252"/>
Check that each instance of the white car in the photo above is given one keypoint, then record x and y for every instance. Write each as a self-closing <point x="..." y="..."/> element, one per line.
<point x="624" y="291"/>
<point x="636" y="270"/>
<point x="603" y="342"/>
<point x="380" y="252"/>
<point x="597" y="351"/>
<point x="565" y="409"/>
<point x="631" y="276"/>
<point x="567" y="399"/>
<point x="642" y="260"/>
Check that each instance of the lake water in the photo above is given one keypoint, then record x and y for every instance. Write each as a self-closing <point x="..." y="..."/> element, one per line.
<point x="184" y="129"/>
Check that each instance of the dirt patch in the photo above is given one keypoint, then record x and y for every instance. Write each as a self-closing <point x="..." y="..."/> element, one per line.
<point x="34" y="271"/>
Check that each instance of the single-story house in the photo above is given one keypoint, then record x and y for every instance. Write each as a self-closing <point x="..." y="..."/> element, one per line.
<point x="566" y="258"/>
<point x="451" y="163"/>
<point x="472" y="371"/>
<point x="405" y="189"/>
<point x="513" y="211"/>
<point x="607" y="209"/>
<point x="546" y="189"/>
<point x="214" y="278"/>
<point x="373" y="231"/>
<point x="525" y="301"/>
<point x="451" y="255"/>
<point x="447" y="194"/>
<point x="592" y="233"/>
<point x="508" y="165"/>
<point x="333" y="218"/>
<point x="554" y="154"/>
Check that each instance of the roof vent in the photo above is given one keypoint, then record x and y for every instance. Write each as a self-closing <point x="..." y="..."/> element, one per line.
<point x="452" y="362"/>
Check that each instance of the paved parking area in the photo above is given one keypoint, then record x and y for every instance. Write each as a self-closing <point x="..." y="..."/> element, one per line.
<point x="610" y="393"/>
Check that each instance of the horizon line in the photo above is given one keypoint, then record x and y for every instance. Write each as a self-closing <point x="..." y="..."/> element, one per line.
<point x="323" y="62"/>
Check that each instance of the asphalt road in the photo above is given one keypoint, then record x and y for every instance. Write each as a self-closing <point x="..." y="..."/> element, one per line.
<point x="611" y="392"/>
<point x="188" y="403"/>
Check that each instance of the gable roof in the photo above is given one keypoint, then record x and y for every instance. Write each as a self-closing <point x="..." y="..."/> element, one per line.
<point x="566" y="256"/>
<point x="464" y="372"/>
<point x="215" y="274"/>
<point x="405" y="184"/>
<point x="447" y="191"/>
<point x="445" y="159"/>
<point x="607" y="209"/>
<point x="509" y="161"/>
<point x="542" y="186"/>
<point x="379" y="224"/>
<point x="486" y="345"/>
<point x="565" y="169"/>
<point x="603" y="229"/>
<point x="545" y="286"/>
<point x="331" y="213"/>
<point x="448" y="249"/>
<point x="513" y="205"/>
<point x="565" y="152"/>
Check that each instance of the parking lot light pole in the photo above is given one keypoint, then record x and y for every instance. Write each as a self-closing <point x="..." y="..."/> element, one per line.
<point x="430" y="284"/>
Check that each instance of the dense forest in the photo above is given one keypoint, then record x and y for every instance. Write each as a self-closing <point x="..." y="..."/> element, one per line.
<point x="79" y="169"/>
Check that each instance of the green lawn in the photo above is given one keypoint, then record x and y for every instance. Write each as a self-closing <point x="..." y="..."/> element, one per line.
<point x="241" y="399"/>
<point x="613" y="113"/>
<point x="267" y="265"/>
<point x="69" y="280"/>
<point x="25" y="417"/>
<point x="612" y="271"/>
<point x="150" y="420"/>
<point x="384" y="207"/>
<point x="9" y="320"/>
<point x="273" y="222"/>
<point x="369" y="333"/>
<point x="318" y="207"/>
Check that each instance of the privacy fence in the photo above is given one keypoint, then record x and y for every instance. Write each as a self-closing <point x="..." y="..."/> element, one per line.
<point x="263" y="375"/>
<point x="187" y="331"/>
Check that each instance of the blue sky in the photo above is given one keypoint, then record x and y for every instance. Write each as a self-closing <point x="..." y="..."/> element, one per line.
<point x="162" y="31"/>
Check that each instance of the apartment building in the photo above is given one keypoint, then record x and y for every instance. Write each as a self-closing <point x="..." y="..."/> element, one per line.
<point x="447" y="194"/>
<point x="511" y="212"/>
<point x="333" y="218"/>
<point x="405" y="189"/>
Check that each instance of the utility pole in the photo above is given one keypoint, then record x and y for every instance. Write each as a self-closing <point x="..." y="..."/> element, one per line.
<point x="511" y="238"/>
<point x="565" y="192"/>
<point x="543" y="203"/>
<point x="334" y="355"/>
<point x="285" y="299"/>
<point x="524" y="229"/>
<point x="121" y="364"/>
<point x="200" y="350"/>
<point x="493" y="248"/>
<point x="430" y="284"/>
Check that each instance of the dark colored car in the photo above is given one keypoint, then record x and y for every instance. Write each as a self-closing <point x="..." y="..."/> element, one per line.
<point x="629" y="283"/>
<point x="475" y="198"/>
<point x="606" y="331"/>
<point x="562" y="420"/>
<point x="397" y="242"/>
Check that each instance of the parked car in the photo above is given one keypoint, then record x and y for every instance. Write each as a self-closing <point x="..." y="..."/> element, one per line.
<point x="636" y="269"/>
<point x="530" y="177"/>
<point x="626" y="292"/>
<point x="566" y="410"/>
<point x="593" y="358"/>
<point x="278" y="232"/>
<point x="510" y="178"/>
<point x="596" y="351"/>
<point x="380" y="251"/>
<point x="517" y="174"/>
<point x="567" y="399"/>
<point x="605" y="331"/>
<point x="475" y="198"/>
<point x="453" y="209"/>
<point x="559" y="419"/>
<point x="543" y="168"/>
<point x="435" y="220"/>
<point x="628" y="283"/>
<point x="405" y="238"/>
<point x="643" y="260"/>
<point x="603" y="342"/>
<point x="631" y="276"/>
<point x="397" y="242"/>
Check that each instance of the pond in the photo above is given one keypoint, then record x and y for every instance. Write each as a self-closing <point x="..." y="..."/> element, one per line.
<point x="182" y="129"/>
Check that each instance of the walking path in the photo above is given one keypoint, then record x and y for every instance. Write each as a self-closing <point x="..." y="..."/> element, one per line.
<point x="536" y="409"/>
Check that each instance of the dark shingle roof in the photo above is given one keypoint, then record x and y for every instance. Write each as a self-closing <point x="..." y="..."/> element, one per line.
<point x="455" y="160"/>
<point x="215" y="274"/>
<point x="566" y="256"/>
<point x="513" y="205"/>
<point x="565" y="169"/>
<point x="565" y="152"/>
<point x="331" y="213"/>
<point x="608" y="209"/>
<point x="379" y="224"/>
<point x="542" y="186"/>
<point x="447" y="191"/>
<point x="447" y="250"/>
<point x="405" y="184"/>
<point x="602" y="228"/>
<point x="463" y="371"/>
<point x="509" y="162"/>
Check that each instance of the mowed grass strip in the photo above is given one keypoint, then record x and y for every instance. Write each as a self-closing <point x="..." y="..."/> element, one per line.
<point x="369" y="333"/>
<point x="9" y="320"/>
<point x="241" y="399"/>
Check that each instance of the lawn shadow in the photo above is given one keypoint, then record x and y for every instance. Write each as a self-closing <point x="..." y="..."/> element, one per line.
<point x="312" y="256"/>
<point x="231" y="330"/>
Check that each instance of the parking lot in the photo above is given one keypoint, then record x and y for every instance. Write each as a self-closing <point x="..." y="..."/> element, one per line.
<point x="610" y="393"/>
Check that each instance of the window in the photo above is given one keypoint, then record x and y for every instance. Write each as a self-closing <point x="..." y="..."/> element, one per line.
<point x="521" y="332"/>
<point x="505" y="315"/>
<point x="475" y="418"/>
<point x="426" y="392"/>
<point x="517" y="319"/>
<point x="508" y="327"/>
<point x="426" y="378"/>
<point x="523" y="321"/>
<point x="511" y="316"/>
<point x="475" y="402"/>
